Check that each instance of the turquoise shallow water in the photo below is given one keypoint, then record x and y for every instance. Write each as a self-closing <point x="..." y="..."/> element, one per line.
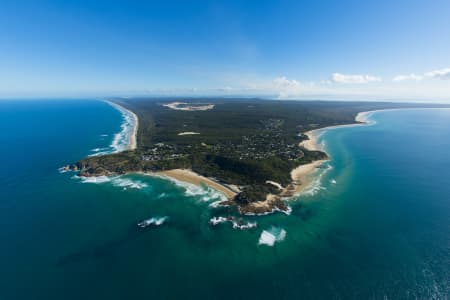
<point x="380" y="231"/>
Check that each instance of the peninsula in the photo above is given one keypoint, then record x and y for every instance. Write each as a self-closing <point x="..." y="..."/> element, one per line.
<point x="258" y="153"/>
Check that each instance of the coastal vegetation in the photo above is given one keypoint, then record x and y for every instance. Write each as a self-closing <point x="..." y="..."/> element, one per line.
<point x="239" y="142"/>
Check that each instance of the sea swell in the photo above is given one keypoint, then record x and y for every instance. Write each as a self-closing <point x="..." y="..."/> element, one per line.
<point x="122" y="140"/>
<point x="204" y="192"/>
<point x="316" y="185"/>
<point x="117" y="181"/>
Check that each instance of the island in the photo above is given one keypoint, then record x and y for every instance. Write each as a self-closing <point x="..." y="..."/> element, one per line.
<point x="258" y="153"/>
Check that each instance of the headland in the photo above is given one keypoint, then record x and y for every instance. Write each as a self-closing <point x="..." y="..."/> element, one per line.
<point x="258" y="153"/>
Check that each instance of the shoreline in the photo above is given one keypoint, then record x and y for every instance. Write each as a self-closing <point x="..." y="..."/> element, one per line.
<point x="303" y="172"/>
<point x="301" y="175"/>
<point x="361" y="119"/>
<point x="132" y="138"/>
<point x="189" y="176"/>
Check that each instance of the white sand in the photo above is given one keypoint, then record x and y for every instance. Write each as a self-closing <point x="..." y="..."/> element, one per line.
<point x="133" y="137"/>
<point x="194" y="178"/>
<point x="192" y="107"/>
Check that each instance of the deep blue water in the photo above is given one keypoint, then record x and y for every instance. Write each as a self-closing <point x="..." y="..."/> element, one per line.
<point x="382" y="231"/>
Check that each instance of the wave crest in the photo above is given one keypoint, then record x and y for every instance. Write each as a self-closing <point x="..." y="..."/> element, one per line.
<point x="271" y="236"/>
<point x="116" y="181"/>
<point x="204" y="192"/>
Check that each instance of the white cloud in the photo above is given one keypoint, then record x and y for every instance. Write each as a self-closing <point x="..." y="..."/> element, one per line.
<point x="407" y="77"/>
<point x="286" y="87"/>
<point x="283" y="87"/>
<point x="441" y="74"/>
<point x="358" y="79"/>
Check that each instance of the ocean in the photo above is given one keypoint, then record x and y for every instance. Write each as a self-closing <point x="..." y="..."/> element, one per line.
<point x="375" y="223"/>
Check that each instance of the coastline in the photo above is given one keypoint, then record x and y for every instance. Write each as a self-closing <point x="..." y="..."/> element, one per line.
<point x="361" y="119"/>
<point x="132" y="138"/>
<point x="301" y="175"/>
<point x="190" y="176"/>
<point x="184" y="175"/>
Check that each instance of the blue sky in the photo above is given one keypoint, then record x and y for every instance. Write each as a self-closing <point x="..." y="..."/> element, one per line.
<point x="280" y="49"/>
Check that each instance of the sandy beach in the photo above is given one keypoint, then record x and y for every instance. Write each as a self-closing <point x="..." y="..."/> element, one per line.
<point x="363" y="118"/>
<point x="194" y="178"/>
<point x="301" y="176"/>
<point x="133" y="136"/>
<point x="311" y="143"/>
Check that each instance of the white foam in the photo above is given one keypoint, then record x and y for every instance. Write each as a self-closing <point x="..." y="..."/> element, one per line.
<point x="236" y="224"/>
<point x="333" y="181"/>
<point x="217" y="220"/>
<point x="287" y="212"/>
<point x="99" y="149"/>
<point x="269" y="237"/>
<point x="162" y="195"/>
<point x="121" y="140"/>
<point x="128" y="183"/>
<point x="116" y="181"/>
<point x="157" y="221"/>
<point x="100" y="153"/>
<point x="366" y="117"/>
<point x="316" y="185"/>
<point x="247" y="225"/>
<point x="63" y="170"/>
<point x="205" y="192"/>
<point x="218" y="203"/>
<point x="94" y="179"/>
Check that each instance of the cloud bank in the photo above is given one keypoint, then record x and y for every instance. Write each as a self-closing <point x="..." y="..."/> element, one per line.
<point x="286" y="87"/>
<point x="436" y="74"/>
<point x="407" y="77"/>
<point x="353" y="79"/>
<point x="440" y="74"/>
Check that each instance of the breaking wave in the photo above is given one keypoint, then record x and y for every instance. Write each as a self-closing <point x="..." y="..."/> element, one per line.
<point x="219" y="203"/>
<point x="204" y="192"/>
<point x="121" y="140"/>
<point x="271" y="236"/>
<point x="287" y="212"/>
<point x="237" y="224"/>
<point x="155" y="221"/>
<point x="93" y="179"/>
<point x="100" y="151"/>
<point x="316" y="184"/>
<point x="128" y="183"/>
<point x="63" y="170"/>
<point x="116" y="181"/>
